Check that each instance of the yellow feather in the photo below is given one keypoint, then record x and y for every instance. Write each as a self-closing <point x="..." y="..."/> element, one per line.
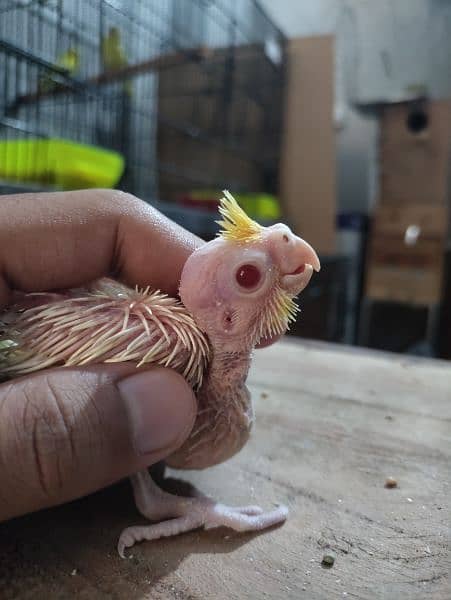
<point x="235" y="224"/>
<point x="278" y="313"/>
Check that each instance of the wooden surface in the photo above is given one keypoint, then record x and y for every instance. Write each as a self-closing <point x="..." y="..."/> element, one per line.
<point x="397" y="272"/>
<point x="307" y="162"/>
<point x="393" y="221"/>
<point x="335" y="423"/>
<point x="402" y="272"/>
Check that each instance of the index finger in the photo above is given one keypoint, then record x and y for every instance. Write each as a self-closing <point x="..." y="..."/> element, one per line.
<point x="59" y="240"/>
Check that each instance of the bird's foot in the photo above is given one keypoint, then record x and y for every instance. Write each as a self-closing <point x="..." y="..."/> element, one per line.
<point x="186" y="514"/>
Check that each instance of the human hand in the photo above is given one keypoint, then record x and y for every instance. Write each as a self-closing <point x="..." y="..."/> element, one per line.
<point x="67" y="432"/>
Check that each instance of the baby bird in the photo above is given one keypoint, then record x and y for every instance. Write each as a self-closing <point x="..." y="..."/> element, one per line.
<point x="235" y="291"/>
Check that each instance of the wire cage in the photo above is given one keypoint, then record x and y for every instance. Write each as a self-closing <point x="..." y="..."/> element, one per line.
<point x="155" y="97"/>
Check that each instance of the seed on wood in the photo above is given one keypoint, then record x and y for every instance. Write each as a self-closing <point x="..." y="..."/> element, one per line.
<point x="391" y="482"/>
<point x="328" y="559"/>
<point x="263" y="395"/>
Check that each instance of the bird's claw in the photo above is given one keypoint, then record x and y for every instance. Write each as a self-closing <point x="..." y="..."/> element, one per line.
<point x="208" y="515"/>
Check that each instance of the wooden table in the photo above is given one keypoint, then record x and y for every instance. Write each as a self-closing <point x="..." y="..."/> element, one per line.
<point x="332" y="424"/>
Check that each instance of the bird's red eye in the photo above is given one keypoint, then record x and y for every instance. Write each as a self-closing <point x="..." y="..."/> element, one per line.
<point x="248" y="276"/>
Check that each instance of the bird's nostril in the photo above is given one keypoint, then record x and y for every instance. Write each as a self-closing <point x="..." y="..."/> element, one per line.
<point x="285" y="238"/>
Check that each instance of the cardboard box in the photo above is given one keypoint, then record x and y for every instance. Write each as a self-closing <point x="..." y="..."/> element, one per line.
<point x="307" y="165"/>
<point x="415" y="144"/>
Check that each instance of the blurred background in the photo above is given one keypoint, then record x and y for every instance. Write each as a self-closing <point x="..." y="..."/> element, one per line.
<point x="333" y="116"/>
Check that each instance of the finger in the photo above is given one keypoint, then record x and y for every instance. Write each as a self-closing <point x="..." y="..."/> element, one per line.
<point x="59" y="240"/>
<point x="68" y="432"/>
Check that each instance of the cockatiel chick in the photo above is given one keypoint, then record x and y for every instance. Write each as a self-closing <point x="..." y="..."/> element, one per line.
<point x="235" y="291"/>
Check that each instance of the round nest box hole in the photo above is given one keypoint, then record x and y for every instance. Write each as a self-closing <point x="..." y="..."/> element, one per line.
<point x="417" y="121"/>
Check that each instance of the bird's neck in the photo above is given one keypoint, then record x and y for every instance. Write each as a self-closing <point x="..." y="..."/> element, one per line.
<point x="225" y="414"/>
<point x="228" y="369"/>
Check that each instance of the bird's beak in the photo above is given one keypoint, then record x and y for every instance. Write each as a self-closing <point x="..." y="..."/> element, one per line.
<point x="295" y="259"/>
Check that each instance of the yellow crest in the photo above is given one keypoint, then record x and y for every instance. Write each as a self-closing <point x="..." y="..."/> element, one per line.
<point x="235" y="224"/>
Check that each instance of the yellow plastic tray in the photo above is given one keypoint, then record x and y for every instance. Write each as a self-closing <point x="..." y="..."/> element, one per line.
<point x="59" y="162"/>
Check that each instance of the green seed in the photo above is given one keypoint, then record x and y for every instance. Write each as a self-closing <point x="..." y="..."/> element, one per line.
<point x="328" y="559"/>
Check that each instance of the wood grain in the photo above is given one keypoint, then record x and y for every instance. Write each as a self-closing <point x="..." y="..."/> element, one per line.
<point x="332" y="424"/>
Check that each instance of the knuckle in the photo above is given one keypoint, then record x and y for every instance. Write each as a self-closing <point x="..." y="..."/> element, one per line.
<point x="117" y="203"/>
<point x="126" y="203"/>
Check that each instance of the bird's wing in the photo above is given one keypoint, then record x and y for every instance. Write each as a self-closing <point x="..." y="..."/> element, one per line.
<point x="107" y="323"/>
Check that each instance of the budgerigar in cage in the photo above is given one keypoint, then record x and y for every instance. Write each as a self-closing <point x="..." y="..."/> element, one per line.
<point x="69" y="61"/>
<point x="113" y="55"/>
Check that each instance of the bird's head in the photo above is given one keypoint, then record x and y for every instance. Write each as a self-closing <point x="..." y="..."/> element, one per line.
<point x="113" y="33"/>
<point x="240" y="286"/>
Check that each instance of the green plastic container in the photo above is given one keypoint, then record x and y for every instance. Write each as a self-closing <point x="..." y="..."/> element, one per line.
<point x="62" y="163"/>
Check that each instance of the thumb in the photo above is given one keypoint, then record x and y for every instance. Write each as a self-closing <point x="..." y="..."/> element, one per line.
<point x="67" y="432"/>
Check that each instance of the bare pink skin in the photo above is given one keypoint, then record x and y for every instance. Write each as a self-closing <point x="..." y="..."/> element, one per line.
<point x="230" y="316"/>
<point x="234" y="318"/>
<point x="211" y="293"/>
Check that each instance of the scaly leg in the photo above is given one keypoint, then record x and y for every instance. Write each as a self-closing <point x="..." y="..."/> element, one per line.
<point x="177" y="514"/>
